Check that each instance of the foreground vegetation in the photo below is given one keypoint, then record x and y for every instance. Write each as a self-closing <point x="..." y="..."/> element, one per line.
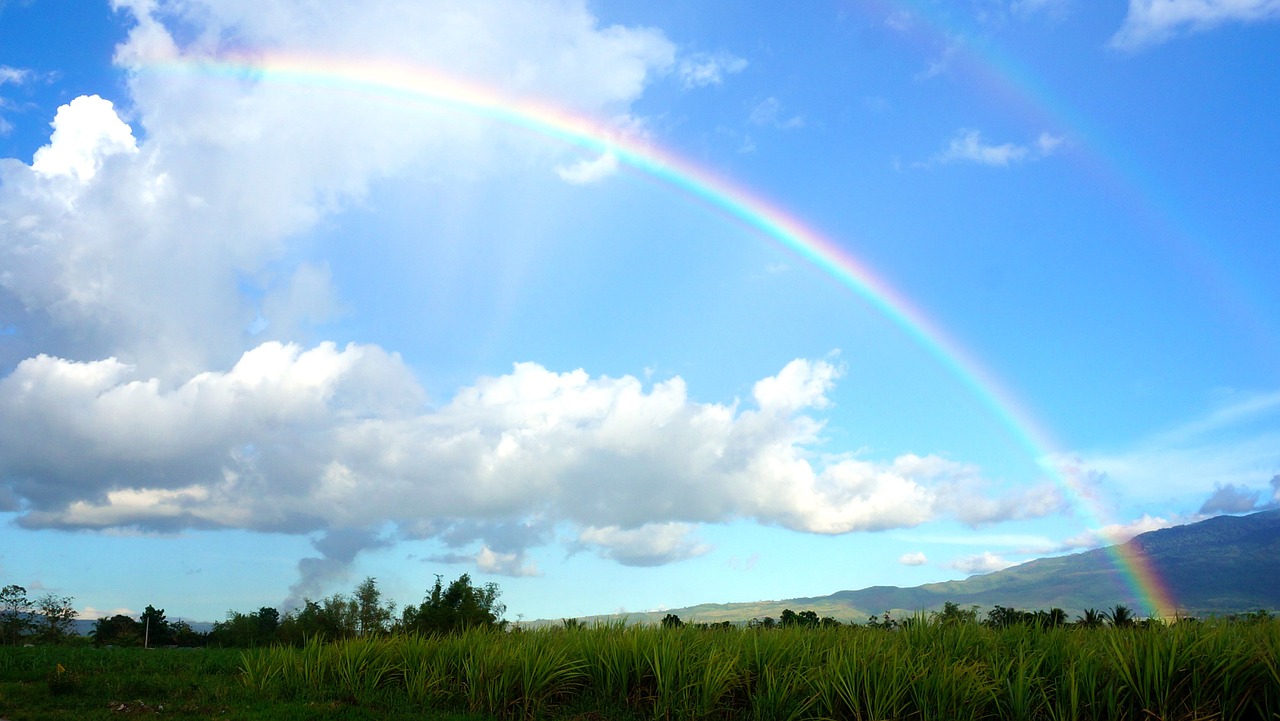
<point x="926" y="669"/>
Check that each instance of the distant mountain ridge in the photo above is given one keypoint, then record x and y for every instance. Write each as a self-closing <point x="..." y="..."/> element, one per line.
<point x="1225" y="564"/>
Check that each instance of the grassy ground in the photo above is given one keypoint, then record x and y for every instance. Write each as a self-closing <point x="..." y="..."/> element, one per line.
<point x="128" y="683"/>
<point x="615" y="673"/>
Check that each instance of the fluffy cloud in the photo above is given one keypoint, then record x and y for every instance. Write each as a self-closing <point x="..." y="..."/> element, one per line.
<point x="913" y="559"/>
<point x="326" y="439"/>
<point x="1153" y="21"/>
<point x="118" y="235"/>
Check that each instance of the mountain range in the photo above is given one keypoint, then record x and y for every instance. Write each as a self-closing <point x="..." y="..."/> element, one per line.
<point x="1221" y="565"/>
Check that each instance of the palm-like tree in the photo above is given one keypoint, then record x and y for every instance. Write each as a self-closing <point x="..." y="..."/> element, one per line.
<point x="1120" y="616"/>
<point x="1092" y="618"/>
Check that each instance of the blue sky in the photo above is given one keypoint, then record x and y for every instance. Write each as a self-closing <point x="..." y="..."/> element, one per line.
<point x="259" y="340"/>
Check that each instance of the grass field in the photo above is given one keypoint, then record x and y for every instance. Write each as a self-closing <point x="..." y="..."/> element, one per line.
<point x="923" y="671"/>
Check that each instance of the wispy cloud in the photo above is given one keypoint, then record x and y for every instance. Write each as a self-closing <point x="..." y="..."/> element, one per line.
<point x="768" y="113"/>
<point x="968" y="146"/>
<point x="985" y="562"/>
<point x="1228" y="447"/>
<point x="585" y="172"/>
<point x="702" y="69"/>
<point x="1150" y="22"/>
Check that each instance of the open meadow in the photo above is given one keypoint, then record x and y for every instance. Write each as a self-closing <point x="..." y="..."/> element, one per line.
<point x="918" y="670"/>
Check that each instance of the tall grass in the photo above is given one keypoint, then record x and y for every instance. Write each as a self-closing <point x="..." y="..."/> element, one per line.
<point x="923" y="671"/>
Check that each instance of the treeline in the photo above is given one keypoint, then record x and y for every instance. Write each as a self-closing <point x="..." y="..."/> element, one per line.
<point x="458" y="606"/>
<point x="364" y="613"/>
<point x="998" y="617"/>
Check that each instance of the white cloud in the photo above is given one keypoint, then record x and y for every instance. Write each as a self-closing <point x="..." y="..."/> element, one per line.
<point x="112" y="245"/>
<point x="1116" y="533"/>
<point x="86" y="132"/>
<point x="14" y="76"/>
<point x="913" y="559"/>
<point x="968" y="146"/>
<point x="298" y="441"/>
<point x="768" y="113"/>
<point x="986" y="562"/>
<point x="1149" y="22"/>
<point x="585" y="172"/>
<point x="653" y="544"/>
<point x="701" y="69"/>
<point x="1228" y="446"/>
<point x="504" y="564"/>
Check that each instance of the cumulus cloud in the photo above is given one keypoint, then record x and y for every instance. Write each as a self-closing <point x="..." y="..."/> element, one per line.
<point x="967" y="146"/>
<point x="86" y="132"/>
<point x="1150" y="22"/>
<point x="118" y="234"/>
<point x="701" y="69"/>
<point x="985" y="562"/>
<point x="913" y="559"/>
<point x="325" y="439"/>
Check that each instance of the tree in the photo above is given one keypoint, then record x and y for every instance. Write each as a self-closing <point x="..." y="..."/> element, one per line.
<point x="952" y="615"/>
<point x="671" y="621"/>
<point x="119" y="630"/>
<point x="54" y="618"/>
<point x="458" y="607"/>
<point x="155" y="629"/>
<point x="1092" y="618"/>
<point x="372" y="616"/>
<point x="1120" y="616"/>
<point x="15" y="614"/>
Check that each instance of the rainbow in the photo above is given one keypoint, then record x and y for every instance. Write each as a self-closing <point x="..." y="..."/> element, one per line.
<point x="428" y="87"/>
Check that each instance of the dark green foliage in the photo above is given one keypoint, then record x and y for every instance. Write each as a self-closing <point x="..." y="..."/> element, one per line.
<point x="459" y="607"/>
<point x="119" y="630"/>
<point x="672" y="621"/>
<point x="15" y="615"/>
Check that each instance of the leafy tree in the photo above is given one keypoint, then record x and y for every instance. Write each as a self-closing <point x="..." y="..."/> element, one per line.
<point x="460" y="606"/>
<point x="15" y="614"/>
<point x="766" y="622"/>
<point x="671" y="621"/>
<point x="119" y="630"/>
<point x="155" y="628"/>
<point x="372" y="616"/>
<point x="952" y="615"/>
<point x="1003" y="617"/>
<point x="54" y="618"/>
<point x="247" y="630"/>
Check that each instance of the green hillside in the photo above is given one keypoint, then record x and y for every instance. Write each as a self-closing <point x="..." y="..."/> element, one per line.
<point x="1226" y="564"/>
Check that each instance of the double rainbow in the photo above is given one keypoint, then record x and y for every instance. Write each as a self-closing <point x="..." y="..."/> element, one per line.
<point x="430" y="88"/>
